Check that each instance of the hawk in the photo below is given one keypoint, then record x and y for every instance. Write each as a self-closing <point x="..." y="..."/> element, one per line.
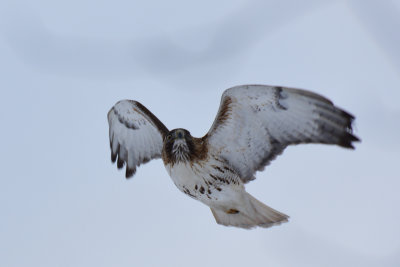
<point x="254" y="124"/>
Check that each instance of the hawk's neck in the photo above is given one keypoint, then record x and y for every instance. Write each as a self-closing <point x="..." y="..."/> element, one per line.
<point x="198" y="151"/>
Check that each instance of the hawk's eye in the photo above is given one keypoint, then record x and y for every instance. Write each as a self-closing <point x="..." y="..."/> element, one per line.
<point x="169" y="137"/>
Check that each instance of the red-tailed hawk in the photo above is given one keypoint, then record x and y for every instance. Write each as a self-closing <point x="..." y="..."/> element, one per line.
<point x="254" y="124"/>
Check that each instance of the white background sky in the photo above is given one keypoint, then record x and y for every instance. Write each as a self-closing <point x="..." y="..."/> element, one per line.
<point x="63" y="64"/>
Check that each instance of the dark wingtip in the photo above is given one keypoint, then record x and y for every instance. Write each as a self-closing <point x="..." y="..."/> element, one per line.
<point x="129" y="172"/>
<point x="347" y="140"/>
<point x="113" y="157"/>
<point x="120" y="163"/>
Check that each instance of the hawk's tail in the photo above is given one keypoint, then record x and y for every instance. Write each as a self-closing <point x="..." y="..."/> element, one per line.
<point x="251" y="215"/>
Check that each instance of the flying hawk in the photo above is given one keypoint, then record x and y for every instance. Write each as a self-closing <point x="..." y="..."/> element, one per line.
<point x="254" y="124"/>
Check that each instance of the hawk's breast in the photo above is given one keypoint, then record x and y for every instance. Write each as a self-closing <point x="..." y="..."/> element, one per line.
<point x="209" y="181"/>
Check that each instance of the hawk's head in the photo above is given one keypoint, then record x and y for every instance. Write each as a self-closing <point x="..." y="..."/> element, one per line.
<point x="178" y="146"/>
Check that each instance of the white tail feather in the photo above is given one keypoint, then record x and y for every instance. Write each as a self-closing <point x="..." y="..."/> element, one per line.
<point x="252" y="214"/>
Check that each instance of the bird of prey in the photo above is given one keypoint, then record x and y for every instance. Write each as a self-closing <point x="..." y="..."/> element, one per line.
<point x="254" y="124"/>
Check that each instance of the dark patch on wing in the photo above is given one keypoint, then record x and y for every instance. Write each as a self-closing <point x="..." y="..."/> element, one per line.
<point x="201" y="189"/>
<point x="332" y="109"/>
<point x="223" y="115"/>
<point x="278" y="97"/>
<point x="160" y="126"/>
<point x="347" y="139"/>
<point x="122" y="120"/>
<point x="232" y="211"/>
<point x="339" y="131"/>
<point x="334" y="127"/>
<point x="128" y="124"/>
<point x="275" y="150"/>
<point x="225" y="110"/>
<point x="131" y="170"/>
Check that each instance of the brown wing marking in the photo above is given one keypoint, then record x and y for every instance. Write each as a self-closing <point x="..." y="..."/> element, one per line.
<point x="223" y="115"/>
<point x="160" y="126"/>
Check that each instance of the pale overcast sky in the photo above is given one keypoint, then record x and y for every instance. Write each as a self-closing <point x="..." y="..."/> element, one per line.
<point x="63" y="64"/>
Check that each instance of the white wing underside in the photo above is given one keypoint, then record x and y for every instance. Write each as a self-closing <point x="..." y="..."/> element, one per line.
<point x="136" y="135"/>
<point x="255" y="123"/>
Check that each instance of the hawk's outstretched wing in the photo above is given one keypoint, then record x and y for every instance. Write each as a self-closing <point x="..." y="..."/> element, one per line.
<point x="255" y="123"/>
<point x="136" y="135"/>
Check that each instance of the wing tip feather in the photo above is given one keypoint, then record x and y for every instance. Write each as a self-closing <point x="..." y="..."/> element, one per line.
<point x="120" y="163"/>
<point x="347" y="140"/>
<point x="130" y="172"/>
<point x="113" y="157"/>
